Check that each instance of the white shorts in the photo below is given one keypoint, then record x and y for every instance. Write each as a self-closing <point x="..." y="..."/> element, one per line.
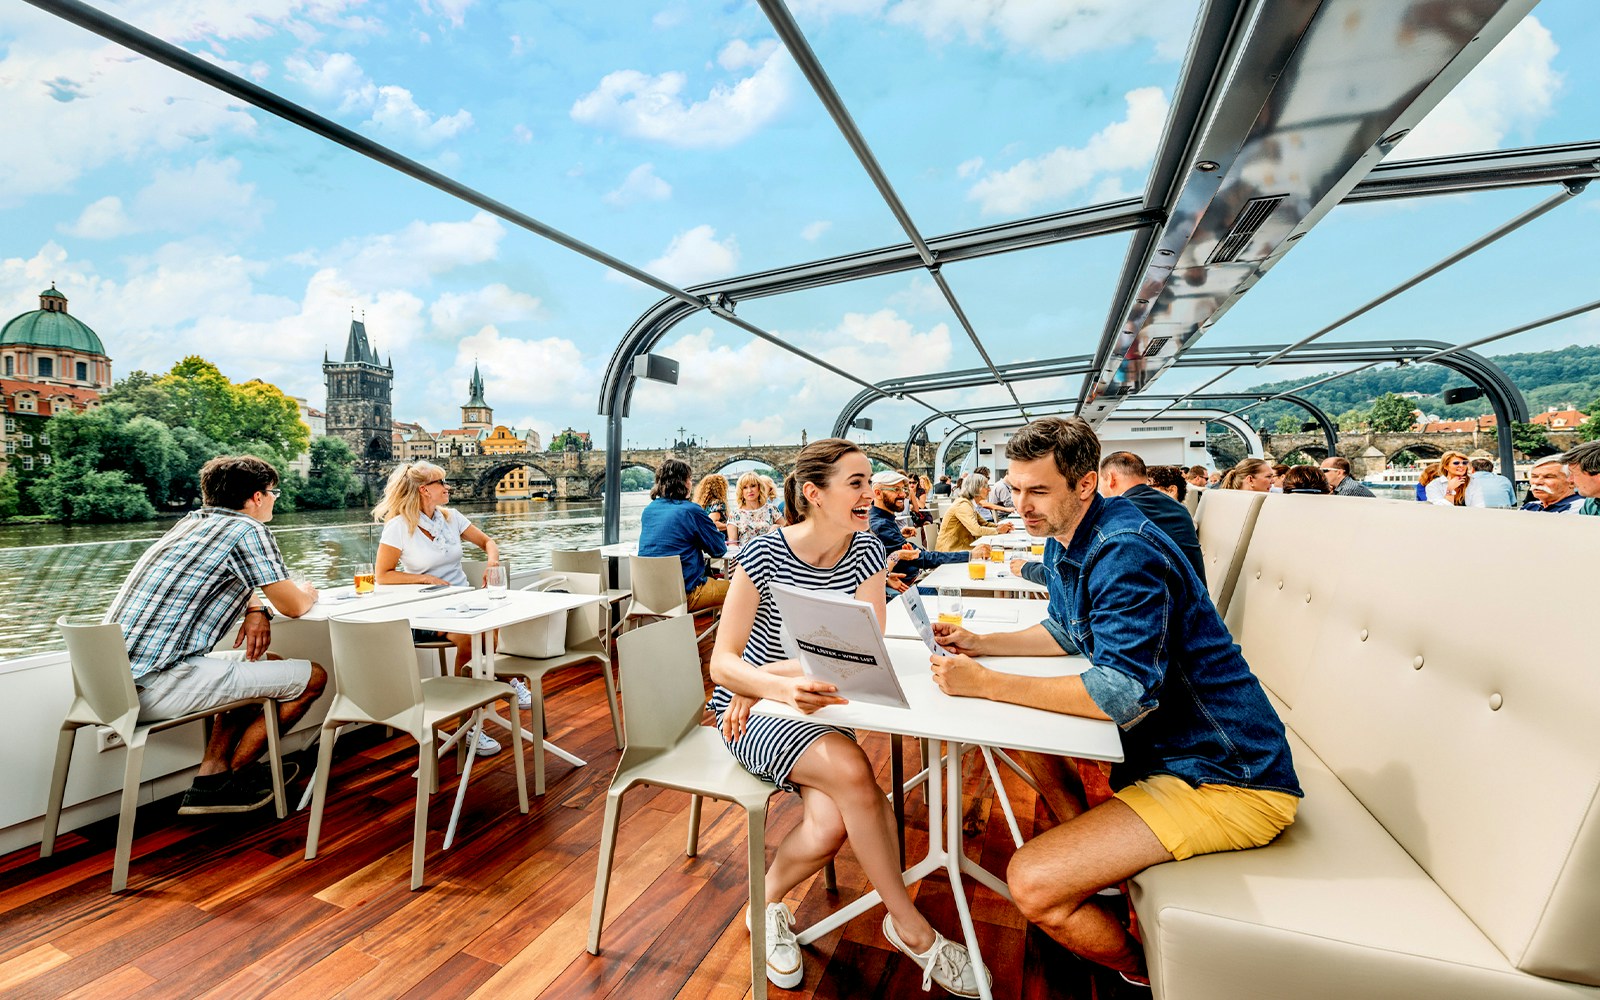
<point x="202" y="682"/>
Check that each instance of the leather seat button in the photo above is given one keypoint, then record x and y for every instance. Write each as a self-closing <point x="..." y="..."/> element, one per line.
<point x="1416" y="664"/>
<point x="1308" y="598"/>
<point x="1363" y="635"/>
<point x="1495" y="701"/>
<point x="1280" y="584"/>
<point x="1258" y="574"/>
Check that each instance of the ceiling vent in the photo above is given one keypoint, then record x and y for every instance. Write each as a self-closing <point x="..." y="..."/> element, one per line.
<point x="1154" y="347"/>
<point x="1256" y="211"/>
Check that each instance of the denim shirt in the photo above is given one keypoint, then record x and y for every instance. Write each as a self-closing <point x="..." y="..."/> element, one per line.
<point x="1164" y="667"/>
<point x="681" y="528"/>
<point x="887" y="530"/>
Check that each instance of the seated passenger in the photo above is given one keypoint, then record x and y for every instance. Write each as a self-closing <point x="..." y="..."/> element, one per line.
<point x="1449" y="487"/>
<point x="1583" y="468"/>
<point x="673" y="525"/>
<point x="826" y="547"/>
<point x="962" y="526"/>
<point x="1488" y="488"/>
<point x="1122" y="474"/>
<point x="1549" y="489"/>
<point x="178" y="602"/>
<point x="1206" y="763"/>
<point x="1198" y="477"/>
<point x="1253" y="475"/>
<point x="1336" y="468"/>
<point x="1310" y="479"/>
<point x="711" y="493"/>
<point x="1169" y="479"/>
<point x="888" y="499"/>
<point x="1278" y="470"/>
<point x="753" y="513"/>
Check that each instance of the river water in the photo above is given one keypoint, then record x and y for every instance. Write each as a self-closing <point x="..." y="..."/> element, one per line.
<point x="50" y="570"/>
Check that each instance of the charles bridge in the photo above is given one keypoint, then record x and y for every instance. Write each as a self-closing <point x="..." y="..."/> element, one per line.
<point x="1371" y="452"/>
<point x="580" y="475"/>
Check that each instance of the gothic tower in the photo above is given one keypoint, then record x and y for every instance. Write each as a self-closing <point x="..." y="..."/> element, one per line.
<point x="359" y="389"/>
<point x="477" y="415"/>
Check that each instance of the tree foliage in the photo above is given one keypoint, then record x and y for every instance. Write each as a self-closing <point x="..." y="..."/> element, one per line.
<point x="75" y="491"/>
<point x="635" y="478"/>
<point x="251" y="418"/>
<point x="142" y="453"/>
<point x="1286" y="424"/>
<point x="331" y="483"/>
<point x="10" y="499"/>
<point x="1530" y="439"/>
<point x="1392" y="413"/>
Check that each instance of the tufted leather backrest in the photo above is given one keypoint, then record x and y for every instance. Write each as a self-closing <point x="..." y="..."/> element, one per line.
<point x="1453" y="692"/>
<point x="1223" y="522"/>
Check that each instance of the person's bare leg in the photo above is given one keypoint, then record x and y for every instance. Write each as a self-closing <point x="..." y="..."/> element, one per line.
<point x="836" y="766"/>
<point x="1053" y="879"/>
<point x="1059" y="785"/>
<point x="463" y="649"/>
<point x="808" y="847"/>
<point x="225" y="730"/>
<point x="254" y="738"/>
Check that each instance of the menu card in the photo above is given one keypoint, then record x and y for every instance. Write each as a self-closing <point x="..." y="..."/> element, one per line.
<point x="839" y="639"/>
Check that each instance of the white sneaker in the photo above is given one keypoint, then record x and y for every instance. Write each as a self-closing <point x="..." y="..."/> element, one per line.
<point x="945" y="963"/>
<point x="785" y="961"/>
<point x="524" y="696"/>
<point x="488" y="746"/>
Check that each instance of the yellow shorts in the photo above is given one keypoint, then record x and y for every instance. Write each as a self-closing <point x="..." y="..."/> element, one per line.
<point x="1211" y="818"/>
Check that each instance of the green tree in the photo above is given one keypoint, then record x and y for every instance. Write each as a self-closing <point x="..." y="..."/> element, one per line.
<point x="1590" y="429"/>
<point x="332" y="482"/>
<point x="636" y="478"/>
<point x="1286" y="424"/>
<point x="112" y="438"/>
<point x="10" y="499"/>
<point x="267" y="417"/>
<point x="1391" y="413"/>
<point x="236" y="418"/>
<point x="1530" y="439"/>
<point x="1354" y="419"/>
<point x="75" y="491"/>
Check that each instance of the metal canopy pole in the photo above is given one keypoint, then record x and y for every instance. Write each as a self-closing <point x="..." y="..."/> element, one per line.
<point x="795" y="41"/>
<point x="1191" y="394"/>
<point x="1567" y="192"/>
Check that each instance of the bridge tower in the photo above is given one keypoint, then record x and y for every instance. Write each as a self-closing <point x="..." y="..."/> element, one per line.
<point x="359" y="397"/>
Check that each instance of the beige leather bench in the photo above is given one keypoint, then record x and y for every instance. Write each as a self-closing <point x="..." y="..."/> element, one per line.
<point x="1444" y="714"/>
<point x="1223" y="522"/>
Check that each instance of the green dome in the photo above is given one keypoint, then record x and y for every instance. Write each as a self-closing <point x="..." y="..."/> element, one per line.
<point x="52" y="327"/>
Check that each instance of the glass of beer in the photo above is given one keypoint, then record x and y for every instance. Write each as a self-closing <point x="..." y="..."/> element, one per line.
<point x="1037" y="548"/>
<point x="366" y="579"/>
<point x="976" y="569"/>
<point x="997" y="554"/>
<point x="950" y="608"/>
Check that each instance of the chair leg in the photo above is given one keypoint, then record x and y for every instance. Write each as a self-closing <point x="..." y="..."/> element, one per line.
<point x="516" y="753"/>
<point x="830" y="878"/>
<point x="58" y="789"/>
<point x="897" y="795"/>
<point x="694" y="826"/>
<point x="419" y="834"/>
<point x="319" y="786"/>
<point x="130" y="803"/>
<point x="536" y="729"/>
<point x="602" y="875"/>
<point x="756" y="822"/>
<point x="611" y="701"/>
<point x="269" y="715"/>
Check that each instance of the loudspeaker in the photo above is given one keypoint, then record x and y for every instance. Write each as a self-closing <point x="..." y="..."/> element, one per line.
<point x="1462" y="394"/>
<point x="656" y="367"/>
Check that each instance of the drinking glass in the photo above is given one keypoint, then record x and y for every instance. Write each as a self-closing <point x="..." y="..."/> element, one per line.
<point x="950" y="607"/>
<point x="1037" y="548"/>
<point x="997" y="554"/>
<point x="976" y="569"/>
<point x="494" y="581"/>
<point x="366" y="580"/>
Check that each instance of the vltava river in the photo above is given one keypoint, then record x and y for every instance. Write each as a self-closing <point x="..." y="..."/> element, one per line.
<point x="50" y="570"/>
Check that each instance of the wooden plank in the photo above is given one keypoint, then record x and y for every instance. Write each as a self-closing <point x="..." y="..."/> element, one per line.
<point x="648" y="922"/>
<point x="33" y="962"/>
<point x="113" y="985"/>
<point x="455" y="978"/>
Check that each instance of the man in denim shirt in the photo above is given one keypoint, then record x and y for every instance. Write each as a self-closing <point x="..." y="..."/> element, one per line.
<point x="1206" y="763"/>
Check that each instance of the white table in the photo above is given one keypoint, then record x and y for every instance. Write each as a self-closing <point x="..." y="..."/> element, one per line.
<point x="984" y="615"/>
<point x="1011" y="540"/>
<point x="460" y="612"/>
<point x="997" y="579"/>
<point x="343" y="601"/>
<point x="937" y="716"/>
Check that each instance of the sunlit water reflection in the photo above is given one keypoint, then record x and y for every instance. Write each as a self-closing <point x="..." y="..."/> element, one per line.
<point x="47" y="571"/>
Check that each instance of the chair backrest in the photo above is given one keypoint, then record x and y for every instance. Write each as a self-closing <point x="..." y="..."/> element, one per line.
<point x="1191" y="500"/>
<point x="1229" y="515"/>
<point x="578" y="561"/>
<point x="102" y="679"/>
<point x="930" y="534"/>
<point x="474" y="569"/>
<point x="660" y="666"/>
<point x="583" y="624"/>
<point x="375" y="672"/>
<point x="657" y="585"/>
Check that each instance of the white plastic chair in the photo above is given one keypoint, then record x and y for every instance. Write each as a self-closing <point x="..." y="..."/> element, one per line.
<point x="474" y="569"/>
<point x="103" y="695"/>
<point x="667" y="747"/>
<point x="585" y="643"/>
<point x="375" y="680"/>
<point x="591" y="561"/>
<point x="658" y="591"/>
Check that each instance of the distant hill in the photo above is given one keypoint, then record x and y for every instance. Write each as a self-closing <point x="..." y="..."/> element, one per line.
<point x="1546" y="378"/>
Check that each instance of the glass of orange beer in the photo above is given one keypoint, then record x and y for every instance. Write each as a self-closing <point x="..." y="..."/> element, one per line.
<point x="366" y="579"/>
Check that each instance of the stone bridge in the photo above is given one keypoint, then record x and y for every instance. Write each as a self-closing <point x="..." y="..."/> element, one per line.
<point x="1371" y="452"/>
<point x="580" y="475"/>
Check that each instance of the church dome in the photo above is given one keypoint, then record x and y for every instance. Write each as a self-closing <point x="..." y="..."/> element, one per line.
<point x="51" y="326"/>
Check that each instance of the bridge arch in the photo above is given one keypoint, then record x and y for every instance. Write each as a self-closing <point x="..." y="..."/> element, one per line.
<point x="766" y="461"/>
<point x="486" y="474"/>
<point x="1421" y="449"/>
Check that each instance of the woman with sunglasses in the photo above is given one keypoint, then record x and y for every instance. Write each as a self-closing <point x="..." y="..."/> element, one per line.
<point x="423" y="534"/>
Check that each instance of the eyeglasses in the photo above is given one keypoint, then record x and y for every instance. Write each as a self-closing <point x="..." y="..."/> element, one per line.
<point x="436" y="482"/>
<point x="273" y="491"/>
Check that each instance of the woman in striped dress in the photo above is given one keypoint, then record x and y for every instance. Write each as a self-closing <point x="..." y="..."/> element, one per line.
<point x="825" y="547"/>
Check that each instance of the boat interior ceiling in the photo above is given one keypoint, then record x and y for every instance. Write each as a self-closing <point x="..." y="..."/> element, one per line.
<point x="1282" y="111"/>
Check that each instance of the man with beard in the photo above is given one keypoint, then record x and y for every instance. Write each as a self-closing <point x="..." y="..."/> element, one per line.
<point x="888" y="499"/>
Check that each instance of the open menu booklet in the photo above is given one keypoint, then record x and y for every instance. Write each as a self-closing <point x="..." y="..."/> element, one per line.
<point x="838" y="639"/>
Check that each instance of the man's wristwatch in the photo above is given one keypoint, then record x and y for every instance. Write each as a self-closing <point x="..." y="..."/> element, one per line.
<point x="264" y="610"/>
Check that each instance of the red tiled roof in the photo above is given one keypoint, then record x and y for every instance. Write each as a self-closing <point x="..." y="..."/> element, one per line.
<point x="1561" y="418"/>
<point x="10" y="387"/>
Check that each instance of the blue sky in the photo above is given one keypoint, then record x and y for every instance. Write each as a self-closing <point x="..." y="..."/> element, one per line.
<point x="681" y="138"/>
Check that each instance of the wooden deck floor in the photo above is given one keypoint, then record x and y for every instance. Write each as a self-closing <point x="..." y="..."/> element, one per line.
<point x="227" y="907"/>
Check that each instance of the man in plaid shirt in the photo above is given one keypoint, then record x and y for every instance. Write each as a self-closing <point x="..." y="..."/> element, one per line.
<point x="178" y="603"/>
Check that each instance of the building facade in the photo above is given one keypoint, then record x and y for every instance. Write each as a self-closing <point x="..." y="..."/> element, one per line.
<point x="360" y="388"/>
<point x="50" y="346"/>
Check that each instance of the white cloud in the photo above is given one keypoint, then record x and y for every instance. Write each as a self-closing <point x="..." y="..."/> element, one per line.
<point x="564" y="378"/>
<point x="454" y="11"/>
<point x="390" y="108"/>
<point x="101" y="220"/>
<point x="740" y="54"/>
<point x="814" y="230"/>
<point x="1047" y="28"/>
<point x="652" y="107"/>
<point x="454" y="313"/>
<point x="696" y="255"/>
<point x="641" y="184"/>
<point x="969" y="168"/>
<point x="522" y="133"/>
<point x="669" y="18"/>
<point x="1512" y="90"/>
<point x="414" y="255"/>
<point x="1066" y="172"/>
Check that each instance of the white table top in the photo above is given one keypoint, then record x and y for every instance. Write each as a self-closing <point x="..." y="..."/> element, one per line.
<point x="936" y="715"/>
<point x="984" y="615"/>
<point x="342" y="601"/>
<point x="1011" y="540"/>
<point x="622" y="550"/>
<point x="441" y="612"/>
<point x="997" y="578"/>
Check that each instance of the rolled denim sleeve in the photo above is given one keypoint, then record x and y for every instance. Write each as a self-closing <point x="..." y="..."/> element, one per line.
<point x="1130" y="615"/>
<point x="1058" y="632"/>
<point x="1034" y="572"/>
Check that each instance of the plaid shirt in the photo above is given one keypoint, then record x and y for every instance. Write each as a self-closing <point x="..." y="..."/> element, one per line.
<point x="192" y="584"/>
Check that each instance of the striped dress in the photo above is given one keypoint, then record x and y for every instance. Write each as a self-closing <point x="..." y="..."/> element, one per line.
<point x="770" y="747"/>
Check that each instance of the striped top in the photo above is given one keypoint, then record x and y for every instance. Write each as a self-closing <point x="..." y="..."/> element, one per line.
<point x="768" y="559"/>
<point x="192" y="584"/>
